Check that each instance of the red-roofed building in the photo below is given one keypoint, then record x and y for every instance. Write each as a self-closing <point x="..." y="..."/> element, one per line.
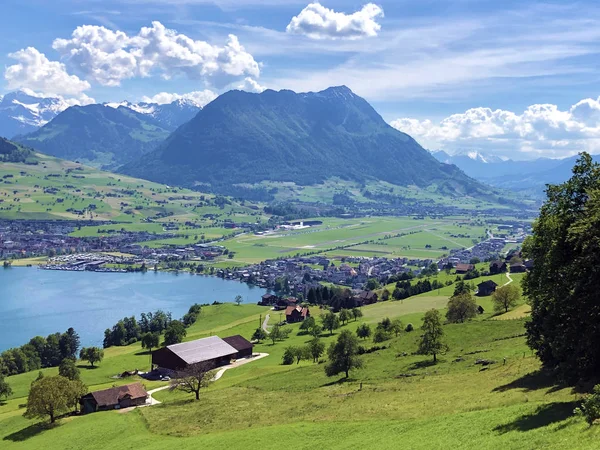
<point x="295" y="314"/>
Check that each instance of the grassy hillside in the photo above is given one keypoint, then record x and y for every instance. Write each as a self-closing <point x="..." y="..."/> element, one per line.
<point x="405" y="401"/>
<point x="59" y="189"/>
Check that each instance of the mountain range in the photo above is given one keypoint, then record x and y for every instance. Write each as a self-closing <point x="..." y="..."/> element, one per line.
<point x="97" y="135"/>
<point x="529" y="177"/>
<point x="306" y="138"/>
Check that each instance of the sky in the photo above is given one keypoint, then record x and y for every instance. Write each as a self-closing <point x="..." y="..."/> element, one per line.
<point x="518" y="79"/>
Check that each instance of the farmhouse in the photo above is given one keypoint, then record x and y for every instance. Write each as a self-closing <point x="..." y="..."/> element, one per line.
<point x="114" y="398"/>
<point x="366" y="298"/>
<point x="517" y="268"/>
<point x="464" y="268"/>
<point x="486" y="288"/>
<point x="295" y="314"/>
<point x="497" y="267"/>
<point x="212" y="349"/>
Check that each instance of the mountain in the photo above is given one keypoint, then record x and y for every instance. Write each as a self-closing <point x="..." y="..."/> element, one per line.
<point x="21" y="112"/>
<point x="305" y="138"/>
<point x="169" y="116"/>
<point x="98" y="135"/>
<point x="528" y="177"/>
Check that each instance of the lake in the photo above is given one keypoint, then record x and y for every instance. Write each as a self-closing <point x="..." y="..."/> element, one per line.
<point x="40" y="302"/>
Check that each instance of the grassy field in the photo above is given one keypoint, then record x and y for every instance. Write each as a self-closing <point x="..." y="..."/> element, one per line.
<point x="58" y="189"/>
<point x="405" y="400"/>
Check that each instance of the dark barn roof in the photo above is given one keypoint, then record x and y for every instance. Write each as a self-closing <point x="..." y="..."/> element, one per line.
<point x="113" y="396"/>
<point x="238" y="342"/>
<point x="200" y="350"/>
<point x="489" y="283"/>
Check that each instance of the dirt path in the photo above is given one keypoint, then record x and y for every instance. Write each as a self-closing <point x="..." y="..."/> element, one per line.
<point x="239" y="362"/>
<point x="265" y="323"/>
<point x="510" y="280"/>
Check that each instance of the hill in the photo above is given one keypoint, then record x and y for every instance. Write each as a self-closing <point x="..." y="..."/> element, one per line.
<point x="304" y="138"/>
<point x="399" y="399"/>
<point x="22" y="112"/>
<point x="11" y="152"/>
<point x="97" y="135"/>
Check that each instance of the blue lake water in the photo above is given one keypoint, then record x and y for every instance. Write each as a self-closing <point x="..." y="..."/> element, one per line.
<point x="39" y="302"/>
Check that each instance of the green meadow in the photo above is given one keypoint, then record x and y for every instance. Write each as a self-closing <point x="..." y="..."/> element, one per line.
<point x="397" y="400"/>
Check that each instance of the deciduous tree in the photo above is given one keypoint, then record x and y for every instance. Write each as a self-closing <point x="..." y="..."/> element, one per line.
<point x="330" y="322"/>
<point x="175" y="333"/>
<point x="5" y="389"/>
<point x="461" y="308"/>
<point x="505" y="298"/>
<point x="193" y="378"/>
<point x="68" y="369"/>
<point x="433" y="333"/>
<point x="343" y="355"/>
<point x="363" y="331"/>
<point x="49" y="396"/>
<point x="150" y="340"/>
<point x="91" y="355"/>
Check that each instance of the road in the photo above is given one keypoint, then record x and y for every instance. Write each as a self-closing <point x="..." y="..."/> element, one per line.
<point x="265" y="323"/>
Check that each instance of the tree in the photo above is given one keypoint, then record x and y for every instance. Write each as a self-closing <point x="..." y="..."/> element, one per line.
<point x="76" y="390"/>
<point x="68" y="369"/>
<point x="307" y="323"/>
<point x="315" y="349"/>
<point x="380" y="335"/>
<point x="356" y="313"/>
<point x="278" y="333"/>
<point x="505" y="298"/>
<point x="192" y="379"/>
<point x="175" y="333"/>
<point x="363" y="331"/>
<point x="91" y="355"/>
<point x="343" y="355"/>
<point x="396" y="327"/>
<point x="49" y="396"/>
<point x="330" y="322"/>
<point x="69" y="344"/>
<point x="432" y="339"/>
<point x="315" y="331"/>
<point x="461" y="308"/>
<point x="238" y="300"/>
<point x="563" y="285"/>
<point x="590" y="407"/>
<point x="5" y="389"/>
<point x="289" y="355"/>
<point x="150" y="341"/>
<point x="344" y="316"/>
<point x="259" y="335"/>
<point x="372" y="284"/>
<point x="460" y="288"/>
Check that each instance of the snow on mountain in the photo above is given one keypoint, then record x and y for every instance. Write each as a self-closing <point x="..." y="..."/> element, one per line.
<point x="169" y="115"/>
<point x="23" y="112"/>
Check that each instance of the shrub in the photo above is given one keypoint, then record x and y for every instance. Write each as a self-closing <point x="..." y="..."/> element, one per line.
<point x="590" y="408"/>
<point x="288" y="356"/>
<point x="380" y="335"/>
<point x="409" y="328"/>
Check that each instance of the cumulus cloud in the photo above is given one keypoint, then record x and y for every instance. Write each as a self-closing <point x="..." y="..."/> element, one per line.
<point x="251" y="85"/>
<point x="319" y="22"/>
<point x="542" y="129"/>
<point x="108" y="57"/>
<point x="199" y="98"/>
<point x="36" y="72"/>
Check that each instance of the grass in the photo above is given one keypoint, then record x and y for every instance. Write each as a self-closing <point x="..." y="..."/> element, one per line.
<point x="405" y="401"/>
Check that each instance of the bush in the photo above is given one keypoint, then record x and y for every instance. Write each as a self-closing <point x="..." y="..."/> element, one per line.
<point x="288" y="356"/>
<point x="590" y="408"/>
<point x="380" y="335"/>
<point x="409" y="328"/>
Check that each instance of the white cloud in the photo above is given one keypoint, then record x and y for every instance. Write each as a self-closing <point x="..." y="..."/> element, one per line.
<point x="318" y="22"/>
<point x="108" y="57"/>
<point x="199" y="98"/>
<point x="542" y="129"/>
<point x="36" y="72"/>
<point x="251" y="85"/>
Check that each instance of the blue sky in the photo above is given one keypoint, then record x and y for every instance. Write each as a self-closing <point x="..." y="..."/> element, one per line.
<point x="513" y="78"/>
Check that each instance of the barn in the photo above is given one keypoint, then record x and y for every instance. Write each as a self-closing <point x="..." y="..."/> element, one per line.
<point x="212" y="349"/>
<point x="244" y="347"/>
<point x="114" y="398"/>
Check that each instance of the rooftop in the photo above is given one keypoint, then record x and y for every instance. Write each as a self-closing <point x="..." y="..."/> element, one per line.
<point x="202" y="349"/>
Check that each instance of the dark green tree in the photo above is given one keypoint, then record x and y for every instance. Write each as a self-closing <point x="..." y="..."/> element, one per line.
<point x="150" y="341"/>
<point x="259" y="335"/>
<point x="5" y="389"/>
<point x="461" y="308"/>
<point x="92" y="355"/>
<point x="68" y="369"/>
<point x="175" y="333"/>
<point x="564" y="283"/>
<point x="315" y="348"/>
<point x="330" y="322"/>
<point x="363" y="331"/>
